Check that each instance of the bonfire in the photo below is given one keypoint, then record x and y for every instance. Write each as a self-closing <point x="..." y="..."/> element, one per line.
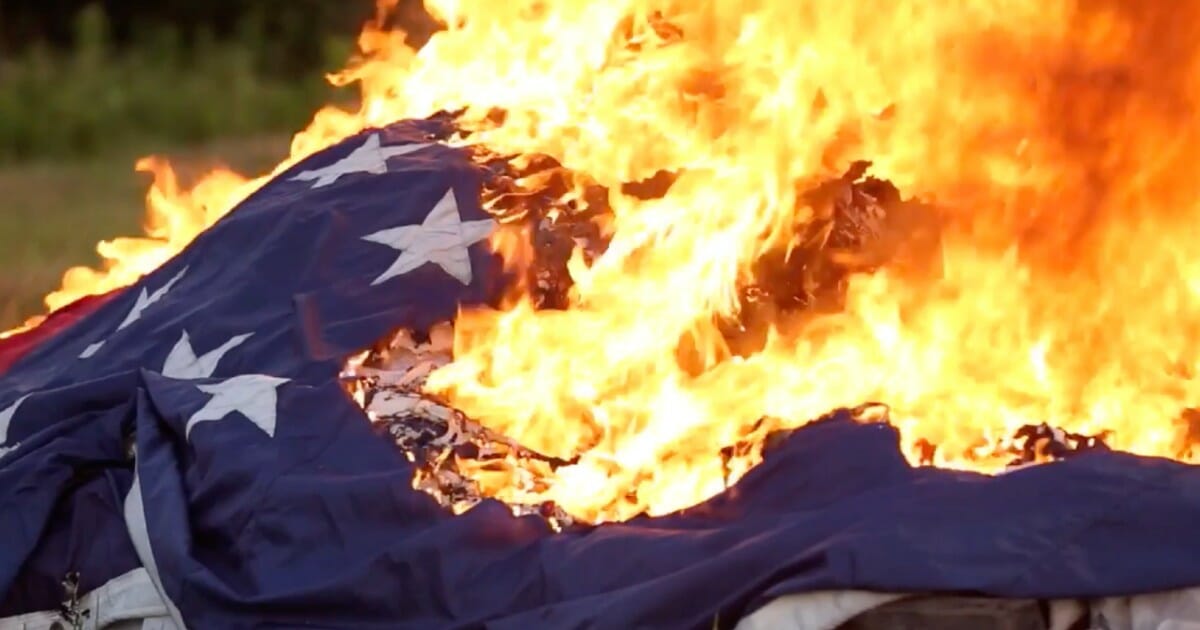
<point x="724" y="220"/>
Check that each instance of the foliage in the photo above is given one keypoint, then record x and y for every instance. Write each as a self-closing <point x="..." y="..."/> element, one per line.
<point x="161" y="89"/>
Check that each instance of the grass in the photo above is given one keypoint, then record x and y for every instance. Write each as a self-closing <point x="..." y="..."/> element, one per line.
<point x="52" y="214"/>
<point x="73" y="122"/>
<point x="160" y="91"/>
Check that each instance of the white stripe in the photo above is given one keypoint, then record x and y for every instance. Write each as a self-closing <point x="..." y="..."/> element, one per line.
<point x="127" y="601"/>
<point x="135" y="521"/>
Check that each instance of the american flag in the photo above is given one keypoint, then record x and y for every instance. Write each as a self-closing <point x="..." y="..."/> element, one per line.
<point x="180" y="453"/>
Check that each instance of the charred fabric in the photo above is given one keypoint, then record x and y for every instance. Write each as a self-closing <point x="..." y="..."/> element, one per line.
<point x="859" y="223"/>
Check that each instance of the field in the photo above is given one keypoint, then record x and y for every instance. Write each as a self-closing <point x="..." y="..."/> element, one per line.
<point x="52" y="213"/>
<point x="74" y="120"/>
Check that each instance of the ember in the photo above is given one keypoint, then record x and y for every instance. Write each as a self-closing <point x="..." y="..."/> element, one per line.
<point x="705" y="256"/>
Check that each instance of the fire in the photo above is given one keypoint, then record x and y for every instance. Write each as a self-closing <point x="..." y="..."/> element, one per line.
<point x="1056" y="138"/>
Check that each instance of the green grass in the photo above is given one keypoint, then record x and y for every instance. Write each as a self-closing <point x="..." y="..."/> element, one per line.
<point x="74" y="121"/>
<point x="52" y="214"/>
<point x="160" y="91"/>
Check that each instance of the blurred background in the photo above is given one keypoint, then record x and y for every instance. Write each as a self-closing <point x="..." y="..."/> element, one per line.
<point x="87" y="87"/>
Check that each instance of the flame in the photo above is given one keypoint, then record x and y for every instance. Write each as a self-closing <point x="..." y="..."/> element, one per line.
<point x="1056" y="138"/>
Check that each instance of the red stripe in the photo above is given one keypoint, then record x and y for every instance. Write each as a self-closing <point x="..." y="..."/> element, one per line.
<point x="17" y="346"/>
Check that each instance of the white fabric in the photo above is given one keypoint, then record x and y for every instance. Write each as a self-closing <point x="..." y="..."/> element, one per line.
<point x="145" y="300"/>
<point x="371" y="157"/>
<point x="183" y="363"/>
<point x="135" y="522"/>
<point x="822" y="610"/>
<point x="1065" y="613"/>
<point x="252" y="395"/>
<point x="443" y="239"/>
<point x="1168" y="610"/>
<point x="6" y="416"/>
<point x="133" y="602"/>
<point x="127" y="602"/>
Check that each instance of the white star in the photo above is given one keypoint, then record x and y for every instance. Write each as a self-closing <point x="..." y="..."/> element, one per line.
<point x="6" y="417"/>
<point x="442" y="238"/>
<point x="371" y="157"/>
<point x="144" y="300"/>
<point x="182" y="362"/>
<point x="253" y="395"/>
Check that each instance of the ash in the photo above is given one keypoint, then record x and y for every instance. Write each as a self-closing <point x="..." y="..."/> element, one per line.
<point x="441" y="440"/>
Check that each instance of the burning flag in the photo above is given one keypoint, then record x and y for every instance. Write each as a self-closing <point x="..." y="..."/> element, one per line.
<point x="191" y="445"/>
<point x="557" y="337"/>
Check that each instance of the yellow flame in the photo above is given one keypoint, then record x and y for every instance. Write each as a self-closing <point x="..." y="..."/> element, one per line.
<point x="1057" y="138"/>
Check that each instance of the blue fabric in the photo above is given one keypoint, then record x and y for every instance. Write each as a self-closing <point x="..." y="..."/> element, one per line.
<point x="297" y="514"/>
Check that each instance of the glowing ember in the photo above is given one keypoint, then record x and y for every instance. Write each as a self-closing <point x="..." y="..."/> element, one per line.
<point x="1057" y="141"/>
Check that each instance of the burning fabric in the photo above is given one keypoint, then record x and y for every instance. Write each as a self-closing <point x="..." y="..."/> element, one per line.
<point x="257" y="486"/>
<point x="665" y="262"/>
<point x="434" y="436"/>
<point x="454" y="454"/>
<point x="861" y="223"/>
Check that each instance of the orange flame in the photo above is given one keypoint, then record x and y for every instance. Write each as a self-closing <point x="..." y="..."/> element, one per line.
<point x="1058" y="138"/>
